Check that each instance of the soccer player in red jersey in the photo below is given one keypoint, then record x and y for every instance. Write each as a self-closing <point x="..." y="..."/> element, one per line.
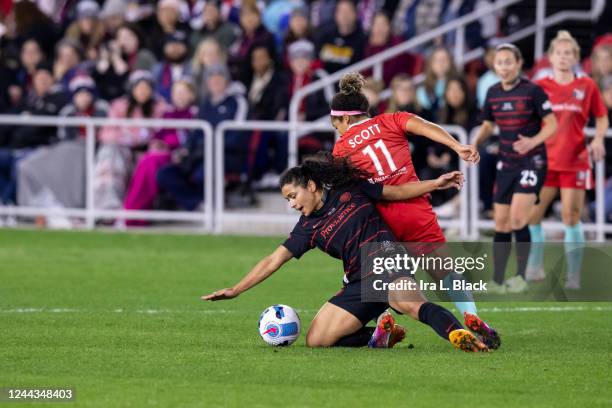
<point x="574" y="99"/>
<point x="379" y="145"/>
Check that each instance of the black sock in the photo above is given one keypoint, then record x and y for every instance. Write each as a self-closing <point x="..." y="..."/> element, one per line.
<point x="358" y="339"/>
<point x="523" y="246"/>
<point x="441" y="320"/>
<point x="502" y="244"/>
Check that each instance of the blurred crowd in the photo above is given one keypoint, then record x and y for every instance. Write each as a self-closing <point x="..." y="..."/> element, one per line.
<point x="217" y="60"/>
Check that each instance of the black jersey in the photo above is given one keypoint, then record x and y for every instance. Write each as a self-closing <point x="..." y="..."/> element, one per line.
<point x="517" y="111"/>
<point x="347" y="221"/>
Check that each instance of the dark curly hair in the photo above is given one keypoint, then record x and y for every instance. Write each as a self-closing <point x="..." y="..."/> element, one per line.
<point x="350" y="97"/>
<point x="325" y="171"/>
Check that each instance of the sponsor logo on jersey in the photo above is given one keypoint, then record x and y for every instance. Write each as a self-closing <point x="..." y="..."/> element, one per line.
<point x="566" y="107"/>
<point x="579" y="94"/>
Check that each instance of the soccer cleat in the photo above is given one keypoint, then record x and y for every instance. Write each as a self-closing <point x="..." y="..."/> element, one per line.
<point x="382" y="334"/>
<point x="466" y="341"/>
<point x="573" y="283"/>
<point x="486" y="333"/>
<point x="398" y="333"/>
<point x="535" y="274"/>
<point x="516" y="285"/>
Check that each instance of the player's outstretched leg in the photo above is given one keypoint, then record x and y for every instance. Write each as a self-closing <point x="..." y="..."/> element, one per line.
<point x="466" y="341"/>
<point x="387" y="334"/>
<point x="486" y="333"/>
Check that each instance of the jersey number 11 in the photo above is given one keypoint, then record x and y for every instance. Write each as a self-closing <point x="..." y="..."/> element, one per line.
<point x="380" y="145"/>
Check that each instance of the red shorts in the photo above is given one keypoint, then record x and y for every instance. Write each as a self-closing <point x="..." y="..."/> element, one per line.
<point x="412" y="221"/>
<point x="581" y="179"/>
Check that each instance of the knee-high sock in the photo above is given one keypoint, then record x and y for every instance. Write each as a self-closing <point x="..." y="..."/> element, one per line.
<point x="502" y="244"/>
<point x="441" y="320"/>
<point x="574" y="250"/>
<point x="462" y="299"/>
<point x="358" y="339"/>
<point x="523" y="244"/>
<point x="536" y="253"/>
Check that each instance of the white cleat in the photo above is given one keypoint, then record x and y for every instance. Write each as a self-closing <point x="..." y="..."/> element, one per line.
<point x="535" y="274"/>
<point x="516" y="285"/>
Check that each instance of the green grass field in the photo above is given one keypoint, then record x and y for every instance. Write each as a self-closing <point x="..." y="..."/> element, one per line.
<point x="118" y="318"/>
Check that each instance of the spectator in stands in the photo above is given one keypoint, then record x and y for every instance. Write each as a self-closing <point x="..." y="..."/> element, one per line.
<point x="211" y="24"/>
<point x="487" y="79"/>
<point x="342" y="43"/>
<point x="166" y="23"/>
<point x="118" y="58"/>
<point x="267" y="97"/>
<point x="371" y="90"/>
<point x="415" y="17"/>
<point x="112" y="17"/>
<point x="183" y="179"/>
<point x="322" y="13"/>
<point x="208" y="53"/>
<point x="299" y="29"/>
<point x="458" y="108"/>
<point x="117" y="143"/>
<point x="602" y="64"/>
<point x="174" y="65"/>
<point x="31" y="55"/>
<point x="143" y="187"/>
<point x="403" y="96"/>
<point x="438" y="68"/>
<point x="301" y="55"/>
<point x="253" y="34"/>
<point x="380" y="39"/>
<point x="54" y="176"/>
<point x="30" y="22"/>
<point x="87" y="30"/>
<point x="45" y="98"/>
<point x="67" y="62"/>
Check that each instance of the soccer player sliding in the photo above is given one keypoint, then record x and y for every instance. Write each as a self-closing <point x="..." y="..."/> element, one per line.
<point x="380" y="147"/>
<point x="523" y="114"/>
<point x="339" y="216"/>
<point x="573" y="100"/>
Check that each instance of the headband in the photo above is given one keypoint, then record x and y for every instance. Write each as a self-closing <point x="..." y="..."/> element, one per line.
<point x="342" y="113"/>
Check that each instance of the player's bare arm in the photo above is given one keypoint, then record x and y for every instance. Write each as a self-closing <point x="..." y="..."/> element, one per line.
<point x="407" y="191"/>
<point x="597" y="146"/>
<point x="264" y="268"/>
<point x="420" y="126"/>
<point x="525" y="144"/>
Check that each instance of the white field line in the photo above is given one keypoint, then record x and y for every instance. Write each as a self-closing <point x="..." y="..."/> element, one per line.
<point x="526" y="309"/>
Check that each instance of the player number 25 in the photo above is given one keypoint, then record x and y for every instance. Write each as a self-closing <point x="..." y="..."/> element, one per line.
<point x="380" y="145"/>
<point x="529" y="178"/>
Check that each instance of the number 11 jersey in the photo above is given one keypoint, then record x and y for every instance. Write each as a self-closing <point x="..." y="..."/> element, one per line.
<point x="379" y="146"/>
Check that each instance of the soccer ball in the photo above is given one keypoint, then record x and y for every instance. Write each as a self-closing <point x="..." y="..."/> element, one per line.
<point x="279" y="325"/>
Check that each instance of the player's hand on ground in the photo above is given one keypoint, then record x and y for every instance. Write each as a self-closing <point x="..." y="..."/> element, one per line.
<point x="449" y="180"/>
<point x="523" y="145"/>
<point x="598" y="149"/>
<point x="222" y="294"/>
<point x="468" y="153"/>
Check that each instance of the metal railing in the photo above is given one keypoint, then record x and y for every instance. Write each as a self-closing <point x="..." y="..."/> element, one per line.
<point x="600" y="227"/>
<point x="90" y="213"/>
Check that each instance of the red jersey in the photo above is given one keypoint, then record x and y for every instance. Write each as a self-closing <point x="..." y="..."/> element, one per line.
<point x="379" y="146"/>
<point x="572" y="104"/>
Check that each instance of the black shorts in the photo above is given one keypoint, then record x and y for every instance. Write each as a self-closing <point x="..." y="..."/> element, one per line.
<point x="527" y="179"/>
<point x="349" y="299"/>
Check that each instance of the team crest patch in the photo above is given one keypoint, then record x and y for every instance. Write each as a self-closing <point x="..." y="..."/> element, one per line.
<point x="345" y="197"/>
<point x="520" y="105"/>
<point x="578" y="94"/>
